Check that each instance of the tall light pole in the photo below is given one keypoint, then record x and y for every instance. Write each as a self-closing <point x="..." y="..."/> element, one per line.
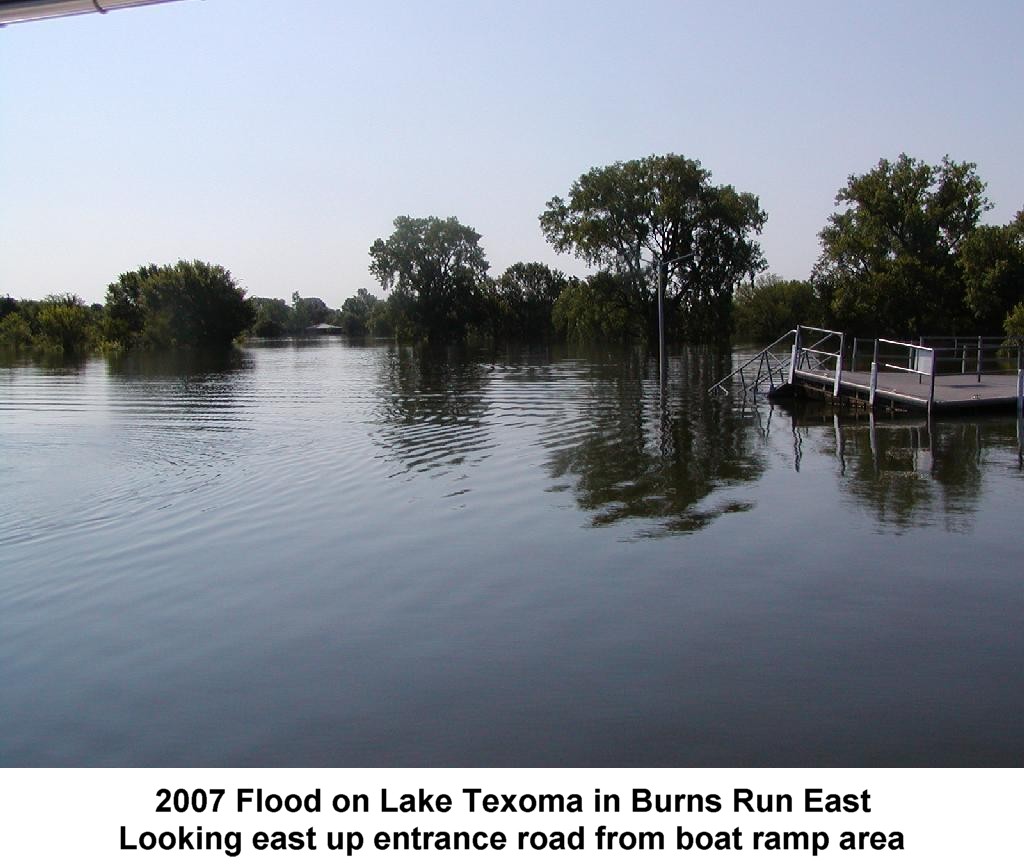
<point x="662" y="266"/>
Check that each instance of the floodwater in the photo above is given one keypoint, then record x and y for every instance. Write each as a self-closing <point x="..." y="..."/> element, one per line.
<point x="325" y="554"/>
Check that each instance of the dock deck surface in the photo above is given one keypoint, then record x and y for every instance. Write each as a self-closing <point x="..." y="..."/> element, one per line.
<point x="952" y="391"/>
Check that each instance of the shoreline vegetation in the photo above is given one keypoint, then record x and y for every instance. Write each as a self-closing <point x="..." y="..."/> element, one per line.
<point x="903" y="254"/>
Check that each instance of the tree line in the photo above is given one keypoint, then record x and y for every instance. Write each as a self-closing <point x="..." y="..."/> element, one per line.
<point x="186" y="304"/>
<point x="903" y="254"/>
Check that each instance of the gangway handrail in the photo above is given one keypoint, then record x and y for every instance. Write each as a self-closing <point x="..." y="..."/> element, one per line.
<point x="759" y="356"/>
<point x="808" y="328"/>
<point x="802" y="351"/>
<point x="905" y="344"/>
<point x="901" y="368"/>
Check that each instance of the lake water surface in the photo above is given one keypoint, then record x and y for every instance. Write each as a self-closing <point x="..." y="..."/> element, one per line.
<point x="323" y="554"/>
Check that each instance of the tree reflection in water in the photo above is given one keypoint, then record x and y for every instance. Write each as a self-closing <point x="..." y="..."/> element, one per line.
<point x="667" y="458"/>
<point x="665" y="461"/>
<point x="908" y="472"/>
<point x="433" y="408"/>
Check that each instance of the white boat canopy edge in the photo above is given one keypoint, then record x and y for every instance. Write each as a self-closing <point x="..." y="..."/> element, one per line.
<point x="16" y="11"/>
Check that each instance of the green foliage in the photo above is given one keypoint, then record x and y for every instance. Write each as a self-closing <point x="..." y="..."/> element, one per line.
<point x="1013" y="325"/>
<point x="663" y="209"/>
<point x="992" y="261"/>
<point x="15" y="332"/>
<point x="889" y="261"/>
<point x="65" y="324"/>
<point x="126" y="315"/>
<point x="59" y="324"/>
<point x="772" y="306"/>
<point x="271" y="316"/>
<point x="598" y="308"/>
<point x="525" y="296"/>
<point x="358" y="313"/>
<point x="438" y="273"/>
<point x="307" y="312"/>
<point x="187" y="304"/>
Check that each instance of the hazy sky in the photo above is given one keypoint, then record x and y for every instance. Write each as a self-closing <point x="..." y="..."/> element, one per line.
<point x="279" y="139"/>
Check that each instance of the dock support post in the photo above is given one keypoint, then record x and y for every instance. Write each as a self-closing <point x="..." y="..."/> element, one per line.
<point x="874" y="376"/>
<point x="1020" y="392"/>
<point x="853" y="357"/>
<point x="839" y="366"/>
<point x="931" y="385"/>
<point x="794" y="355"/>
<point x="979" y="358"/>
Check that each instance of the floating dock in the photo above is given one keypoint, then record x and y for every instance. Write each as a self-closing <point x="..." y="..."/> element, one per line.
<point x="941" y="374"/>
<point x="952" y="392"/>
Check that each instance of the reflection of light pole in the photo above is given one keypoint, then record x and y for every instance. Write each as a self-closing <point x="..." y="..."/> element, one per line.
<point x="664" y="264"/>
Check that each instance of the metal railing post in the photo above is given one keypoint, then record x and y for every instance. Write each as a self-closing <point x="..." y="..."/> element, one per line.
<point x="839" y="366"/>
<point x="853" y="356"/>
<point x="979" y="358"/>
<point x="794" y="355"/>
<point x="662" y="373"/>
<point x="931" y="385"/>
<point x="1020" y="391"/>
<point x="874" y="377"/>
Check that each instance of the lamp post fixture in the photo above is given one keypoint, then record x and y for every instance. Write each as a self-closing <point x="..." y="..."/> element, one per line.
<point x="662" y="266"/>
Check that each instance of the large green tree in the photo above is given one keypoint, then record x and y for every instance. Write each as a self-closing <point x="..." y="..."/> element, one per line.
<point x="272" y="316"/>
<point x="890" y="256"/>
<point x="662" y="212"/>
<point x="357" y="312"/>
<point x="437" y="273"/>
<point x="992" y="259"/>
<point x="186" y="304"/>
<point x="771" y="306"/>
<point x="307" y="312"/>
<point x="60" y="323"/>
<point x="597" y="309"/>
<point x="527" y="292"/>
<point x="65" y="324"/>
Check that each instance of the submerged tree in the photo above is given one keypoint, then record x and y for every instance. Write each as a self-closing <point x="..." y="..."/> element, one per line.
<point x="526" y="294"/>
<point x="306" y="312"/>
<point x="272" y="316"/>
<point x="599" y="308"/>
<point x="61" y="323"/>
<point x="65" y="324"/>
<point x="889" y="261"/>
<point x="187" y="304"/>
<point x="663" y="213"/>
<point x="992" y="261"/>
<point x="357" y="316"/>
<point x="437" y="273"/>
<point x="769" y="307"/>
<point x="1013" y="325"/>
